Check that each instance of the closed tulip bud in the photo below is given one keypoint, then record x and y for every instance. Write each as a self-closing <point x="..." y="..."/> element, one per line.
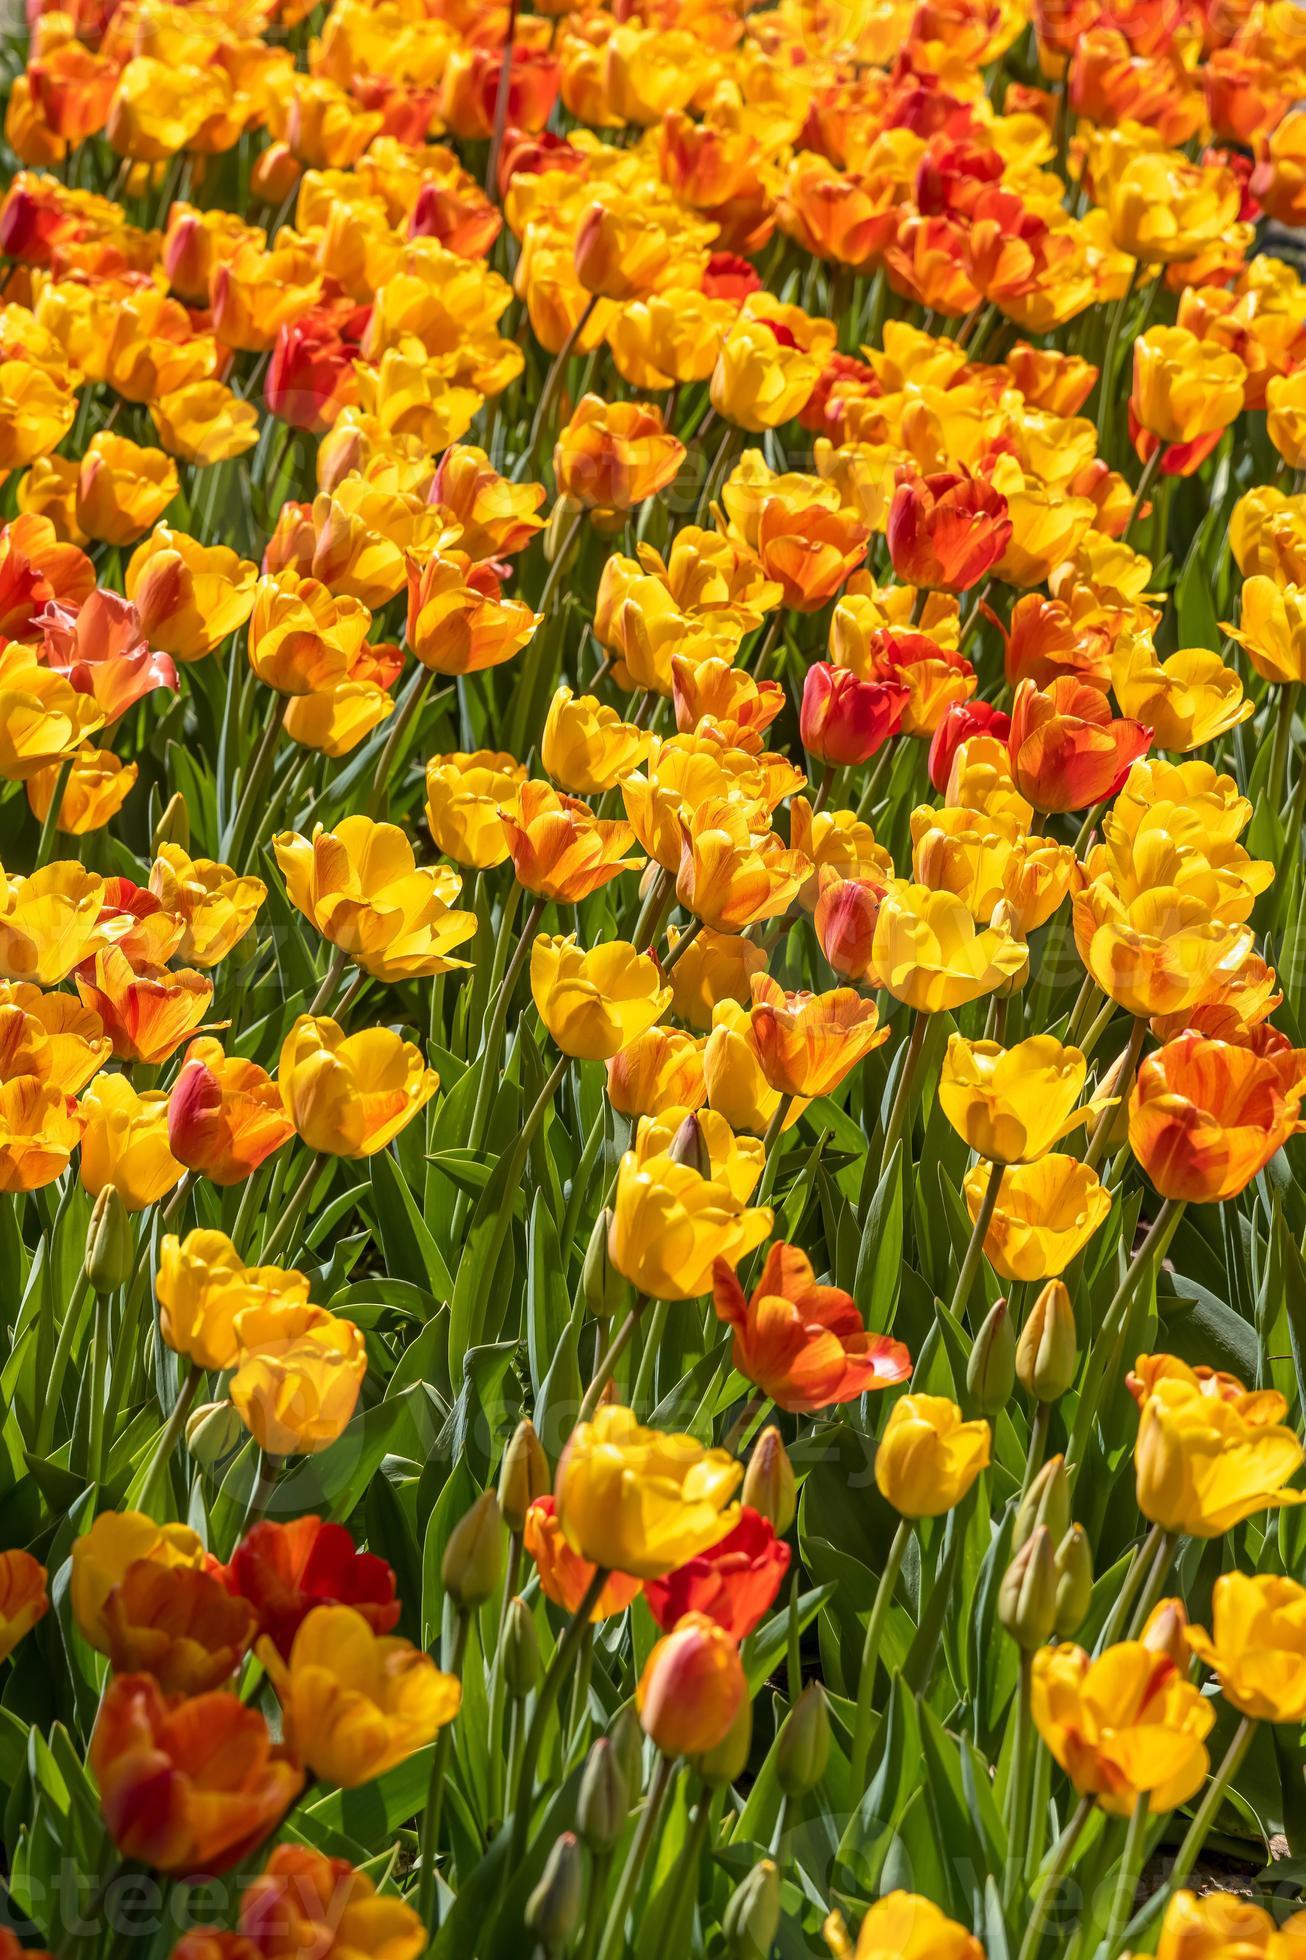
<point x="521" y="1651"/>
<point x="725" y="1764"/>
<point x="1046" y="1354"/>
<point x="1046" y="1502"/>
<point x="473" y="1558"/>
<point x="173" y="826"/>
<point x="523" y="1477"/>
<point x="110" y="1243"/>
<point x="606" y="1291"/>
<point x="627" y="1737"/>
<point x="769" y="1485"/>
<point x="1074" y="1563"/>
<point x="689" y="1146"/>
<point x="212" y="1431"/>
<point x="691" y="1687"/>
<point x="1027" y="1597"/>
<point x="991" y="1370"/>
<point x="553" y="1908"/>
<point x="803" y="1745"/>
<point x="752" y="1918"/>
<point x="603" y="1799"/>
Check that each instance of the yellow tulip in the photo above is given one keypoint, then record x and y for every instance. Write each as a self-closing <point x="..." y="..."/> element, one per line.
<point x="593" y="1003"/>
<point x="928" y="1458"/>
<point x="1013" y="1105"/>
<point x="1046" y="1213"/>
<point x="640" y="1500"/>
<point x="1257" y="1645"/>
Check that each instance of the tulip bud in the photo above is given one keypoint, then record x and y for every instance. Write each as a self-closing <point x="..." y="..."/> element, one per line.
<point x="523" y="1477"/>
<point x="553" y="1909"/>
<point x="605" y="1291"/>
<point x="173" y="826"/>
<point x="769" y="1481"/>
<point x="752" y="1918"/>
<point x="1047" y="1501"/>
<point x="1046" y="1354"/>
<point x="1027" y="1597"/>
<point x="726" y="1763"/>
<point x="521" y="1651"/>
<point x="212" y="1431"/>
<point x="991" y="1370"/>
<point x="1074" y="1563"/>
<point x="689" y="1146"/>
<point x="803" y="1745"/>
<point x="691" y="1687"/>
<point x="1165" y="1631"/>
<point x="110" y="1243"/>
<point x="275" y="174"/>
<point x="627" y="1738"/>
<point x="603" y="1799"/>
<point x="1117" y="1082"/>
<point x="473" y="1557"/>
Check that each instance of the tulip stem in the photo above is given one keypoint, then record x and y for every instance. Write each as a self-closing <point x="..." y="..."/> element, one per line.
<point x="688" y="1864"/>
<point x="52" y="1387"/>
<point x="399" y="726"/>
<point x="495" y="1714"/>
<point x="771" y="1146"/>
<point x="492" y="1044"/>
<point x="168" y="1440"/>
<point x="607" y="1365"/>
<point x="682" y="945"/>
<point x="1280" y="753"/>
<point x="252" y="788"/>
<point x="1038" y="1443"/>
<point x="501" y="102"/>
<point x="648" y="926"/>
<point x="559" y="1668"/>
<point x="902" y="1097"/>
<point x="1079" y="1013"/>
<point x="1186" y="1856"/>
<point x="1131" y="1863"/>
<point x="427" y="1892"/>
<point x="861" y="1738"/>
<point x="1150" y="469"/>
<point x="979" y="1233"/>
<point x="1018" y="1788"/>
<point x="290" y="1213"/>
<point x="1113" y="1328"/>
<point x="614" y="1932"/>
<point x="552" y="381"/>
<point x="50" y="822"/>
<point x="261" y="1490"/>
<point x="1102" y="1127"/>
<point x="99" y="1389"/>
<point x="330" y="981"/>
<point x="743" y="1422"/>
<point x="657" y="1321"/>
<point x="1055" y="1871"/>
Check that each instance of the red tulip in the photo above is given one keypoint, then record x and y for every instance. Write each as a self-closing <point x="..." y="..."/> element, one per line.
<point x="734" y="1583"/>
<point x="284" y="1570"/>
<point x="962" y="720"/>
<point x="946" y="531"/>
<point x="845" y="719"/>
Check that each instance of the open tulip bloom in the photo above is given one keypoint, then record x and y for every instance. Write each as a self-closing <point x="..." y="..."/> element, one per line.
<point x="652" y="1032"/>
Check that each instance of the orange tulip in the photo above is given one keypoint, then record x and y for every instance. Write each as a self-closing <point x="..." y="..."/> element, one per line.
<point x="560" y="849"/>
<point x="224" y="1114"/>
<point x="809" y="1042"/>
<point x="692" y="1688"/>
<point x="1206" y="1116"/>
<point x="731" y="874"/>
<point x="458" y="620"/>
<point x="177" y="1624"/>
<point x="565" y="1576"/>
<point x="612" y="455"/>
<point x="23" y="1598"/>
<point x="1067" y="752"/>
<point x="803" y="1345"/>
<point x="145" y="1015"/>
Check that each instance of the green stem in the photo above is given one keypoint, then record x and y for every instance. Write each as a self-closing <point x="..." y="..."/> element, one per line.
<point x="861" y="1739"/>
<point x="648" y="926"/>
<point x="979" y="1232"/>
<point x="1018" y="1789"/>
<point x="492" y="1049"/>
<point x="253" y="786"/>
<point x="330" y="981"/>
<point x="1102" y="1127"/>
<point x="689" y="1863"/>
<point x="168" y="1440"/>
<point x="551" y="382"/>
<point x="900" y="1109"/>
<point x="430" y="1831"/>
<point x="615" y="1931"/>
<point x="773" y="1148"/>
<point x="50" y="822"/>
<point x="1150" y="469"/>
<point x="643" y="1388"/>
<point x="607" y="1366"/>
<point x="1282" y="747"/>
<point x="682" y="945"/>
<point x="1038" y="1444"/>
<point x="50" y="1391"/>
<point x="99" y="1389"/>
<point x="497" y="1686"/>
<point x="1131" y="1863"/>
<point x="288" y="1222"/>
<point x="1198" y="1830"/>
<point x="1055" y="1872"/>
<point x="559" y="1668"/>
<point x="395" y="740"/>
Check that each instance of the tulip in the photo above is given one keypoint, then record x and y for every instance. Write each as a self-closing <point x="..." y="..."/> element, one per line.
<point x="303" y="639"/>
<point x="95" y="788"/>
<point x="614" y="455"/>
<point x="660" y="1069"/>
<point x="565" y="1577"/>
<point x="691" y="1688"/>
<point x="734" y="1583"/>
<point x="763" y="376"/>
<point x="1161" y="208"/>
<point x="224" y="1114"/>
<point x="179" y="1625"/>
<point x="523" y="1475"/>
<point x="122" y="489"/>
<point x="1273" y="628"/>
<point x="350" y="1095"/>
<point x="1047" y="1355"/>
<point x="731" y="874"/>
<point x="670" y="1224"/>
<point x="472" y="1565"/>
<point x="205" y="423"/>
<point x="1066" y="751"/>
<point x="145" y="1017"/>
<point x="285" y="1570"/>
<point x="298" y="1376"/>
<point x="808" y="1043"/>
<point x="101" y="649"/>
<point x="928" y="1458"/>
<point x="189" y="1788"/>
<point x="641" y="1501"/>
<point x="48" y="1035"/>
<point x="946" y="532"/>
<point x="844" y="719"/>
<point x="1160" y="953"/>
<point x="362" y="888"/>
<point x="303" y="1900"/>
<point x="355" y="1702"/>
<point x="929" y="953"/>
<point x="904" y="1926"/>
<point x="1126" y="1727"/>
<point x="1225" y="1922"/>
<point x="458" y="620"/>
<point x="496" y="517"/>
<point x="311" y="374"/>
<point x="991" y="1369"/>
<point x="125" y="1143"/>
<point x="586" y="747"/>
<point x="1013" y="1105"/>
<point x="961" y="720"/>
<point x="1206" y="1116"/>
<point x="40" y="1127"/>
<point x="467" y="796"/>
<point x="594" y="1003"/>
<point x="808" y="550"/>
<point x="714" y="967"/>
<point x="1046" y="1213"/>
<point x="559" y="849"/>
<point x="23" y="1597"/>
<point x="1257" y="1646"/>
<point x="1184" y="388"/>
<point x="1203" y="1465"/>
<point x="203" y="1285"/>
<point x="44" y="717"/>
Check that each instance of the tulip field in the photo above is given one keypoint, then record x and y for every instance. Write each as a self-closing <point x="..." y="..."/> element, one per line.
<point x="653" y="980"/>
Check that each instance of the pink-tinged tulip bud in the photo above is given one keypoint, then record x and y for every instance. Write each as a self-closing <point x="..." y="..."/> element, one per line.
<point x="691" y="1689"/>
